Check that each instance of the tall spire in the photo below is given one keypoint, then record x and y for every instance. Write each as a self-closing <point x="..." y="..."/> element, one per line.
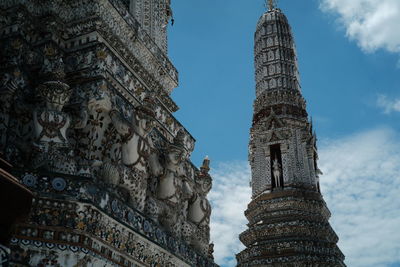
<point x="288" y="218"/>
<point x="275" y="53"/>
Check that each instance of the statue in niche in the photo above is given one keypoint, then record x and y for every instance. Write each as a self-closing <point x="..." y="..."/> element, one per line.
<point x="138" y="156"/>
<point x="276" y="171"/>
<point x="53" y="151"/>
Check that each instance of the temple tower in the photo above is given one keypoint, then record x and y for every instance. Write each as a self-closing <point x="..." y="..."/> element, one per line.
<point x="288" y="218"/>
<point x="87" y="123"/>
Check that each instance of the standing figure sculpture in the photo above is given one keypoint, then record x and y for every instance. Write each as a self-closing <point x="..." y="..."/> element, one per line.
<point x="138" y="156"/>
<point x="172" y="191"/>
<point x="90" y="141"/>
<point x="276" y="171"/>
<point x="170" y="184"/>
<point x="199" y="209"/>
<point x="53" y="151"/>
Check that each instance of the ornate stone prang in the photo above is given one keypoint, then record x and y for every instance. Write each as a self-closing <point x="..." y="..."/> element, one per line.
<point x="288" y="218"/>
<point x="88" y="121"/>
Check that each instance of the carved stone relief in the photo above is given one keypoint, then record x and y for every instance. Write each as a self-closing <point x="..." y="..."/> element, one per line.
<point x="261" y="172"/>
<point x="77" y="122"/>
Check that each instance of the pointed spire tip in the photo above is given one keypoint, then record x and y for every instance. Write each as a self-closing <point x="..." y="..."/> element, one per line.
<point x="271" y="5"/>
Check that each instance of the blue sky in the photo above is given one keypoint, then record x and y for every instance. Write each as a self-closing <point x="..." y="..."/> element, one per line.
<point x="349" y="56"/>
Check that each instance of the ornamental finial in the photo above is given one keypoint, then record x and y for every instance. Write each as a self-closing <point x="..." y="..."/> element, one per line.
<point x="205" y="168"/>
<point x="271" y="4"/>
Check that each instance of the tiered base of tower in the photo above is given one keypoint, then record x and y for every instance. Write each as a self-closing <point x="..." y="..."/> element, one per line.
<point x="289" y="228"/>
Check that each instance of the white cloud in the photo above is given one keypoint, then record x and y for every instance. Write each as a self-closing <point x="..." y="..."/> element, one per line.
<point x="373" y="24"/>
<point x="229" y="198"/>
<point x="388" y="105"/>
<point x="362" y="189"/>
<point x="361" y="185"/>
